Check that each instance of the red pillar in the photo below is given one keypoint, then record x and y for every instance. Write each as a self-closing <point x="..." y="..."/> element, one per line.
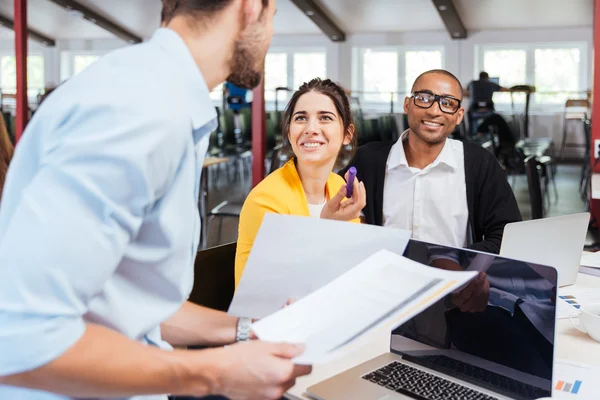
<point x="21" y="58"/>
<point x="595" y="204"/>
<point x="258" y="134"/>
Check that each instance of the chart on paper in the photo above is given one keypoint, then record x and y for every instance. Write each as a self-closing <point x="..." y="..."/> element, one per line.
<point x="575" y="381"/>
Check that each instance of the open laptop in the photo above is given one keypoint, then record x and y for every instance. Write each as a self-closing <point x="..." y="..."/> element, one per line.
<point x="556" y="241"/>
<point x="504" y="352"/>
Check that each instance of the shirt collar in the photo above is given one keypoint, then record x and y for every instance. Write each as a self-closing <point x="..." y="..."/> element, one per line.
<point x="202" y="110"/>
<point x="397" y="155"/>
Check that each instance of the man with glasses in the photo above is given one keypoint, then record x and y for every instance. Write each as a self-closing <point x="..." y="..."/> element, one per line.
<point x="442" y="190"/>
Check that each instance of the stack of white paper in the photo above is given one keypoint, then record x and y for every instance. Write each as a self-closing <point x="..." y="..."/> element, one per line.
<point x="383" y="291"/>
<point x="590" y="259"/>
<point x="293" y="256"/>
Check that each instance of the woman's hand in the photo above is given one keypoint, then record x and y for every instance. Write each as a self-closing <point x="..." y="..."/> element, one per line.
<point x="347" y="210"/>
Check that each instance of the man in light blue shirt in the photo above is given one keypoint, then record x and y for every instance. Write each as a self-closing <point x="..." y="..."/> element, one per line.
<point x="99" y="224"/>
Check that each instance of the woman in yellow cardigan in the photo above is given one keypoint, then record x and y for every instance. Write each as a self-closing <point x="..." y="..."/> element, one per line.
<point x="317" y="126"/>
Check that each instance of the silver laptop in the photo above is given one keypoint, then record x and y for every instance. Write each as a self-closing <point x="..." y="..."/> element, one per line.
<point x="506" y="351"/>
<point x="556" y="241"/>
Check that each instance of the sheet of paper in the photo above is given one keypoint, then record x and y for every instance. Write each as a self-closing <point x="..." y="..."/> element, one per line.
<point x="590" y="259"/>
<point x="589" y="270"/>
<point x="293" y="256"/>
<point x="566" y="306"/>
<point x="575" y="381"/>
<point x="381" y="292"/>
<point x="579" y="296"/>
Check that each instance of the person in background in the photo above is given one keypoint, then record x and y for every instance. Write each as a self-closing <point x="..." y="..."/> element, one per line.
<point x="6" y="152"/>
<point x="99" y="225"/>
<point x="319" y="135"/>
<point x="442" y="190"/>
<point x="481" y="93"/>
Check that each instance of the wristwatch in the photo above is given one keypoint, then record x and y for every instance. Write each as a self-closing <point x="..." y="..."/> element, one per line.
<point x="243" y="329"/>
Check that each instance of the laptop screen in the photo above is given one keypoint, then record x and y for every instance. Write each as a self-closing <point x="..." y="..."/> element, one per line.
<point x="498" y="332"/>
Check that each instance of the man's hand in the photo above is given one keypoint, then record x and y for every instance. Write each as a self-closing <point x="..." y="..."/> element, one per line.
<point x="347" y="210"/>
<point x="474" y="297"/>
<point x="257" y="370"/>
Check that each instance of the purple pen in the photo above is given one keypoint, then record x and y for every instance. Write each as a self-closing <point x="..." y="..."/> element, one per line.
<point x="350" y="183"/>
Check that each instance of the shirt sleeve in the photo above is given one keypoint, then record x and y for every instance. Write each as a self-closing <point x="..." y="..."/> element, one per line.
<point x="99" y="172"/>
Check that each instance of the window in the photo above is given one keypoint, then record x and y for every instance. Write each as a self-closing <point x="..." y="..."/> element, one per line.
<point x="418" y="62"/>
<point x="308" y="66"/>
<point x="289" y="69"/>
<point x="510" y="67"/>
<point x="387" y="74"/>
<point x="558" y="71"/>
<point x="35" y="74"/>
<point x="82" y="62"/>
<point x="380" y="75"/>
<point x="556" y="74"/>
<point x="275" y="75"/>
<point x="73" y="63"/>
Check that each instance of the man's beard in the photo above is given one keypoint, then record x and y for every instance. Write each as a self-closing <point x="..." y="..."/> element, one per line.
<point x="247" y="62"/>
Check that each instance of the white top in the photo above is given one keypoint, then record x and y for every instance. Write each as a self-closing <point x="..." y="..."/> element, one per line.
<point x="315" y="209"/>
<point x="431" y="203"/>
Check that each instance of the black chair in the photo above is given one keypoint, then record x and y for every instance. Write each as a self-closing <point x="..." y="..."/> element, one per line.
<point x="214" y="277"/>
<point x="534" y="184"/>
<point x="388" y="128"/>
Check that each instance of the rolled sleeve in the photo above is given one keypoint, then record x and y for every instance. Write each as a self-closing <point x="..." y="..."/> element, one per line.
<point x="70" y="230"/>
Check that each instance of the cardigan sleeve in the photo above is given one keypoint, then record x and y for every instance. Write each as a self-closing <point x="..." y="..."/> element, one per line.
<point x="496" y="205"/>
<point x="367" y="160"/>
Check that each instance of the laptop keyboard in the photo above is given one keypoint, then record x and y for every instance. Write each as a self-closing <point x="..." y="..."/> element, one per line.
<point x="421" y="385"/>
<point x="447" y="364"/>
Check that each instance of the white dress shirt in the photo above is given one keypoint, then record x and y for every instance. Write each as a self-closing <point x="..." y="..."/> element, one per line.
<point x="99" y="220"/>
<point x="431" y="203"/>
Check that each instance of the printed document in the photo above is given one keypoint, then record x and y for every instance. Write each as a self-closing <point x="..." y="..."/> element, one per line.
<point x="383" y="291"/>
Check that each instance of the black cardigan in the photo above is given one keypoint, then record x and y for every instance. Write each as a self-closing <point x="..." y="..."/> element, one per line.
<point x="490" y="198"/>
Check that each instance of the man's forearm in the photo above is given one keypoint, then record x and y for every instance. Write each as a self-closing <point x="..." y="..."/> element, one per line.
<point x="196" y="325"/>
<point x="104" y="363"/>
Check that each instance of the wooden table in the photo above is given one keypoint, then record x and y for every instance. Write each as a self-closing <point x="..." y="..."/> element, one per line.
<point x="570" y="345"/>
<point x="203" y="200"/>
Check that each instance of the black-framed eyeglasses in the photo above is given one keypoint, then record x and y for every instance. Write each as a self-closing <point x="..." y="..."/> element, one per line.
<point x="448" y="104"/>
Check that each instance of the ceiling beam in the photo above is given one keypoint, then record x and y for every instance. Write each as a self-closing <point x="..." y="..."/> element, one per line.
<point x="99" y="20"/>
<point x="318" y="16"/>
<point x="33" y="35"/>
<point x="451" y="19"/>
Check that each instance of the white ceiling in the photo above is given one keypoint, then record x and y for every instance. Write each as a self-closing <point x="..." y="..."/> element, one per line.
<point x="507" y="14"/>
<point x="353" y="16"/>
<point x="384" y="15"/>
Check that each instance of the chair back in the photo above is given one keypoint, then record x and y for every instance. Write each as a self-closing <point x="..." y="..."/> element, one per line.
<point x="577" y="103"/>
<point x="534" y="184"/>
<point x="214" y="277"/>
<point x="576" y="109"/>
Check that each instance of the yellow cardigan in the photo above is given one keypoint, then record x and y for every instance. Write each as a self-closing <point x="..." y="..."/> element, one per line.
<point x="282" y="193"/>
